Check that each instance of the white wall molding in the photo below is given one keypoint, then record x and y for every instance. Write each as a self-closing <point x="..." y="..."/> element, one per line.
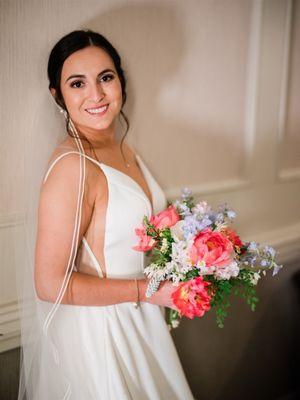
<point x="286" y="240"/>
<point x="285" y="70"/>
<point x="210" y="187"/>
<point x="9" y="315"/>
<point x="286" y="174"/>
<point x="252" y="87"/>
<point x="9" y="326"/>
<point x="289" y="174"/>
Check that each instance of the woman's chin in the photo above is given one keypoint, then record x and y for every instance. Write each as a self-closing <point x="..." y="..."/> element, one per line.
<point x="88" y="125"/>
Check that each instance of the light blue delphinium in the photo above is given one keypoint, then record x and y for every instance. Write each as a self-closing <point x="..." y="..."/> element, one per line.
<point x="231" y="214"/>
<point x="266" y="263"/>
<point x="204" y="223"/>
<point x="252" y="260"/>
<point x="212" y="217"/>
<point x="191" y="225"/>
<point x="269" y="251"/>
<point x="183" y="209"/>
<point x="224" y="209"/>
<point x="220" y="218"/>
<point x="252" y="246"/>
<point x="276" y="269"/>
<point x="186" y="193"/>
<point x="249" y="259"/>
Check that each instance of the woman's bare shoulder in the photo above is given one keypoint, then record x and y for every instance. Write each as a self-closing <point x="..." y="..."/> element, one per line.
<point x="68" y="152"/>
<point x="64" y="164"/>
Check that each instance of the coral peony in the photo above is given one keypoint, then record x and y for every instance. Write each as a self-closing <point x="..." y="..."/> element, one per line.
<point x="191" y="298"/>
<point x="212" y="247"/>
<point x="165" y="218"/>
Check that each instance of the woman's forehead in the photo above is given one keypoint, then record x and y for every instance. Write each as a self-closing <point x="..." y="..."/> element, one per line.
<point x="88" y="60"/>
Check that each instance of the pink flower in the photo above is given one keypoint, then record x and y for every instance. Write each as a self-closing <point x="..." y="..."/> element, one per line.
<point x="212" y="247"/>
<point x="165" y="218"/>
<point x="192" y="298"/>
<point x="145" y="242"/>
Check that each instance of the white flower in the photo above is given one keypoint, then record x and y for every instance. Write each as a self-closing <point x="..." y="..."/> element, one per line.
<point x="204" y="270"/>
<point x="180" y="253"/>
<point x="176" y="277"/>
<point x="164" y="246"/>
<point x="154" y="270"/>
<point x="169" y="267"/>
<point x="186" y="268"/>
<point x="175" y="323"/>
<point x="177" y="231"/>
<point x="227" y="271"/>
<point x="256" y="277"/>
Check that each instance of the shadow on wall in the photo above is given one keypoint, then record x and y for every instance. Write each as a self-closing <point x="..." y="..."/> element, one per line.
<point x="151" y="40"/>
<point x="254" y="355"/>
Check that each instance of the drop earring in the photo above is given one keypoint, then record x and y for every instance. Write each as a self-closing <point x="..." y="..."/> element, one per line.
<point x="62" y="111"/>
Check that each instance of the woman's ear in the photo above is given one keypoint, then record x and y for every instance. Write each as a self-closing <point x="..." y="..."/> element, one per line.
<point x="53" y="92"/>
<point x="59" y="102"/>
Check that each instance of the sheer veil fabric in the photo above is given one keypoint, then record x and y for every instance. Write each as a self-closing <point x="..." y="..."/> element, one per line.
<point x="37" y="346"/>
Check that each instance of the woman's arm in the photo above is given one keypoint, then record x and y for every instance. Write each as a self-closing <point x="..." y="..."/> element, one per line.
<point x="89" y="290"/>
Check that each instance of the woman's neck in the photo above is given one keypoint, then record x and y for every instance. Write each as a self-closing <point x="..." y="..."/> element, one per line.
<point x="104" y="138"/>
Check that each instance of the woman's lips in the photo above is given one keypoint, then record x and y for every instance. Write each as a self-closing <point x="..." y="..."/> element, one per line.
<point x="99" y="111"/>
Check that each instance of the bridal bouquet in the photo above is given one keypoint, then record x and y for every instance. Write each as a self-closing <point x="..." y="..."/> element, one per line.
<point x="193" y="246"/>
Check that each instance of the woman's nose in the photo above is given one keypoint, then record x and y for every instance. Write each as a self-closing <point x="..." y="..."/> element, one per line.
<point x="96" y="93"/>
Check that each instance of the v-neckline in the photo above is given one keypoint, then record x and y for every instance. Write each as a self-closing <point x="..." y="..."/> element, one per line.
<point x="137" y="157"/>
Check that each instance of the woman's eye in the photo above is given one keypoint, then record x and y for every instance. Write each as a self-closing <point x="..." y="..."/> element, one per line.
<point x="76" y="84"/>
<point x="107" y="78"/>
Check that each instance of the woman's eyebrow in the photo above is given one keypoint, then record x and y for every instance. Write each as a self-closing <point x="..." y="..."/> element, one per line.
<point x="83" y="76"/>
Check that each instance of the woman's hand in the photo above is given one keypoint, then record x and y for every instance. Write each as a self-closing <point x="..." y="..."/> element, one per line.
<point x="161" y="297"/>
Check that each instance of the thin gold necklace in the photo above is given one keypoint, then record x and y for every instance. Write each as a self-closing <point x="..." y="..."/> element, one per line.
<point x="125" y="162"/>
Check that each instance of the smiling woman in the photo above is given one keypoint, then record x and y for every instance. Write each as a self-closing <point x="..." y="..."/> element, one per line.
<point x="94" y="334"/>
<point x="93" y="98"/>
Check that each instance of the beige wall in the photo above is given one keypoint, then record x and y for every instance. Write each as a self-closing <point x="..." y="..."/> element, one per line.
<point x="213" y="90"/>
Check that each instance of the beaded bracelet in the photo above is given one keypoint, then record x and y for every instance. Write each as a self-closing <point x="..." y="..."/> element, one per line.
<point x="137" y="303"/>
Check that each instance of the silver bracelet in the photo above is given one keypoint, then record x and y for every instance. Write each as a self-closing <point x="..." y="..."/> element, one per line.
<point x="137" y="302"/>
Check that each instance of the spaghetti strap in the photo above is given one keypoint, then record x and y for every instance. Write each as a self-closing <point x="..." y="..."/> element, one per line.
<point x="65" y="154"/>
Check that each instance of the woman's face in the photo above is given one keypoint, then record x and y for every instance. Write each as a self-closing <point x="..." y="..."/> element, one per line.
<point x="91" y="89"/>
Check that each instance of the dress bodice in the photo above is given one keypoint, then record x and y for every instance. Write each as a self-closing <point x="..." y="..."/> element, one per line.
<point x="127" y="205"/>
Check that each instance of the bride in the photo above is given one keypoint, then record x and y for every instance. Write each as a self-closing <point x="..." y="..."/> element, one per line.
<point x="96" y="336"/>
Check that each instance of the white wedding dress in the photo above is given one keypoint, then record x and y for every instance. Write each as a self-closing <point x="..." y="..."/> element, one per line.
<point x="118" y="352"/>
